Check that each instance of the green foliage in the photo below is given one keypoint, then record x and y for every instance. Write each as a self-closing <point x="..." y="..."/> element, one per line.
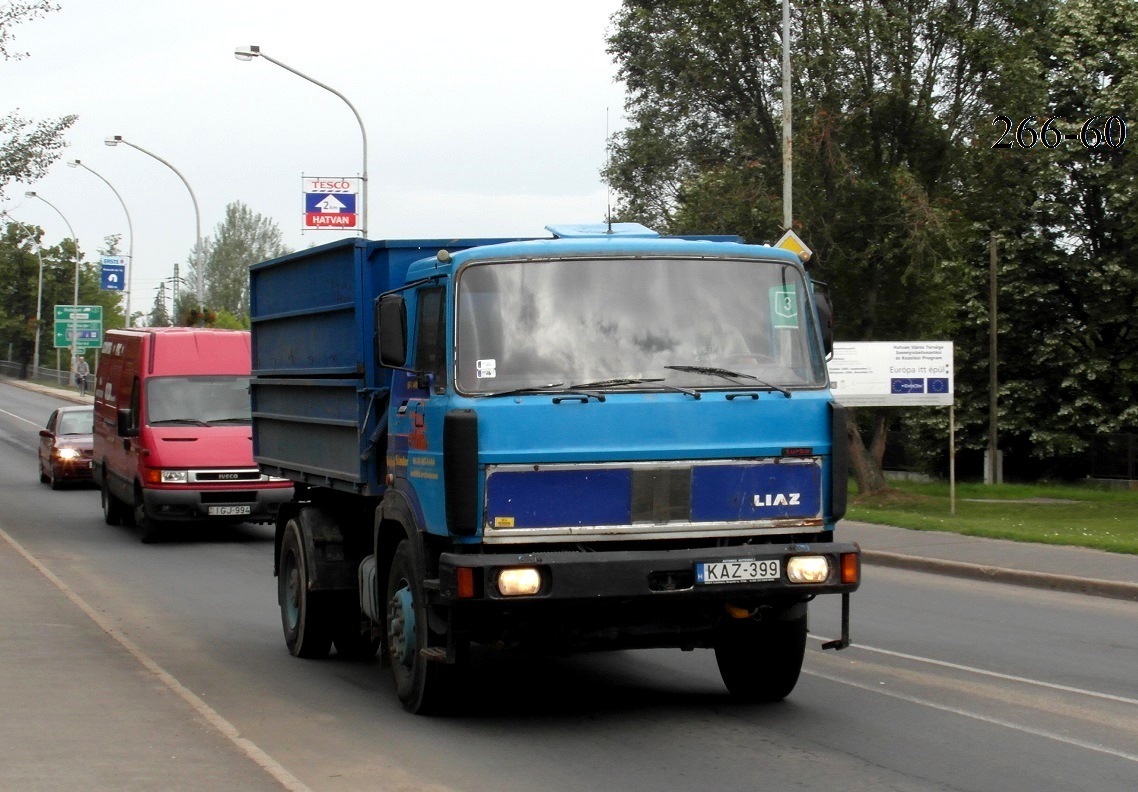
<point x="243" y="238"/>
<point x="20" y="286"/>
<point x="27" y="148"/>
<point x="897" y="187"/>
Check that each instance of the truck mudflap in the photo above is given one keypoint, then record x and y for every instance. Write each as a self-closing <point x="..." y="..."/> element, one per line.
<point x="796" y="570"/>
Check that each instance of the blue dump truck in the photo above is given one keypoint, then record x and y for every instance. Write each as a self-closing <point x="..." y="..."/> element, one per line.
<point x="605" y="439"/>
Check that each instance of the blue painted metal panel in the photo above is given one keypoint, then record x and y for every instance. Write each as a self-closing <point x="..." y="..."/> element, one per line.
<point x="548" y="498"/>
<point x="722" y="493"/>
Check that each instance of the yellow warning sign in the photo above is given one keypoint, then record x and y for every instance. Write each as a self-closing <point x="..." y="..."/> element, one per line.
<point x="790" y="241"/>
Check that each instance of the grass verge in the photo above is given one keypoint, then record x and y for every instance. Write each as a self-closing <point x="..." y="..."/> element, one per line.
<point x="1050" y="514"/>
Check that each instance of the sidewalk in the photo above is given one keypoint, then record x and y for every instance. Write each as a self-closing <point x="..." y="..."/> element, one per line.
<point x="1054" y="567"/>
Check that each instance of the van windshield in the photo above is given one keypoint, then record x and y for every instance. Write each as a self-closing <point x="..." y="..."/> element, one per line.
<point x="199" y="400"/>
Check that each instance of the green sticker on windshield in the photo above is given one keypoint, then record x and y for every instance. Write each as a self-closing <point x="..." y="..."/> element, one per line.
<point x="784" y="306"/>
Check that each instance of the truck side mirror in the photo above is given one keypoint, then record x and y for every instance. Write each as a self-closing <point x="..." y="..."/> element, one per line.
<point x="126" y="427"/>
<point x="391" y="322"/>
<point x="825" y="310"/>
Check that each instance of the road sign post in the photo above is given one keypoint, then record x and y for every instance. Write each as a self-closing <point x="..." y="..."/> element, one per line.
<point x="78" y="326"/>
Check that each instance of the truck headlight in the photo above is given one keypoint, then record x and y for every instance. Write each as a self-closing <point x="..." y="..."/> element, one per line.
<point x="519" y="581"/>
<point x="808" y="569"/>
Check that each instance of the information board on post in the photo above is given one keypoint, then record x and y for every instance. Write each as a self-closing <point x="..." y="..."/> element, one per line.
<point x="331" y="203"/>
<point x="892" y="373"/>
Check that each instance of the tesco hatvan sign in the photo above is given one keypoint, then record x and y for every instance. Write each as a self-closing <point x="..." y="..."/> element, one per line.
<point x="330" y="203"/>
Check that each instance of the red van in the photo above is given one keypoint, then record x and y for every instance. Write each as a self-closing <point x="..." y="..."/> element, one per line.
<point x="172" y="439"/>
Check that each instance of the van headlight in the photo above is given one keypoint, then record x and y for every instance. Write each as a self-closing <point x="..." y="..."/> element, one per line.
<point x="175" y="477"/>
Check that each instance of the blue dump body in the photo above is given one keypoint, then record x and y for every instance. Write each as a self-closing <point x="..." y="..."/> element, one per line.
<point x="595" y="440"/>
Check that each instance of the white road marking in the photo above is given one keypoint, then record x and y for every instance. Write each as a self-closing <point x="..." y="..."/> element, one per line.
<point x="993" y="674"/>
<point x="227" y="729"/>
<point x="1090" y="746"/>
<point x="977" y="716"/>
<point x="19" y="418"/>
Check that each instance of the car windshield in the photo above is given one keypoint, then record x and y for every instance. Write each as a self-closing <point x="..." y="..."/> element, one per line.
<point x="635" y="323"/>
<point x="198" y="400"/>
<point x="79" y="422"/>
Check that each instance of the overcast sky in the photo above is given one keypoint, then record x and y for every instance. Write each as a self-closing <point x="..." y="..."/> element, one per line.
<point x="483" y="118"/>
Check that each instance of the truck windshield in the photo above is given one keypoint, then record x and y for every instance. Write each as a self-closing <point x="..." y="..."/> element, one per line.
<point x="198" y="400"/>
<point x="642" y="323"/>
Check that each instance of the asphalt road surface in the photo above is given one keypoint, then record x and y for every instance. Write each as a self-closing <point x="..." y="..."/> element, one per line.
<point x="187" y="684"/>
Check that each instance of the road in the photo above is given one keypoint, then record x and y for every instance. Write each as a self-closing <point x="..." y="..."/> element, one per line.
<point x="951" y="684"/>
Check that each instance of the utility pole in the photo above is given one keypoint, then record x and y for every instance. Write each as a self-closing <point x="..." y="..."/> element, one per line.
<point x="994" y="468"/>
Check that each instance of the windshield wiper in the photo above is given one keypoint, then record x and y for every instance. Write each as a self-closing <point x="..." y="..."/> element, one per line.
<point x="617" y="382"/>
<point x="234" y="419"/>
<point x="553" y="387"/>
<point x="191" y="421"/>
<point x="728" y="374"/>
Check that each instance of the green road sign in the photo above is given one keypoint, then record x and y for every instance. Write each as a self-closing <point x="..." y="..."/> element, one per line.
<point x="66" y="313"/>
<point x="88" y="334"/>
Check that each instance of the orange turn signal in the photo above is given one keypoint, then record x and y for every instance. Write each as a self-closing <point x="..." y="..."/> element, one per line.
<point x="851" y="568"/>
<point x="465" y="576"/>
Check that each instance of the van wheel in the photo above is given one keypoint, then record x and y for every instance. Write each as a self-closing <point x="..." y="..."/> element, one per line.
<point x="152" y="530"/>
<point x="113" y="508"/>
<point x="305" y="614"/>
<point x="423" y="682"/>
<point x="760" y="660"/>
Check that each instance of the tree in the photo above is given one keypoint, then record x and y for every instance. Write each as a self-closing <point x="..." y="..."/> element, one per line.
<point x="243" y="238"/>
<point x="885" y="91"/>
<point x="27" y="148"/>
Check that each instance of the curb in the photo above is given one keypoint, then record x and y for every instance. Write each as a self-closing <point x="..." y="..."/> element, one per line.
<point x="1075" y="585"/>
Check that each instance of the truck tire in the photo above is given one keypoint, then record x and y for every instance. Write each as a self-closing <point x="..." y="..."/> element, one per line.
<point x="304" y="613"/>
<point x="113" y="508"/>
<point x="352" y="630"/>
<point x="423" y="685"/>
<point x="759" y="661"/>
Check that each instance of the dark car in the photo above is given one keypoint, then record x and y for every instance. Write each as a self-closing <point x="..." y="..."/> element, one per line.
<point x="65" y="446"/>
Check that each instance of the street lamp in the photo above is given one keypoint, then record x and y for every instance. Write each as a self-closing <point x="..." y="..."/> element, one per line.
<point x="255" y="52"/>
<point x="75" y="301"/>
<point x="39" y="296"/>
<point x="114" y="141"/>
<point x="130" y="231"/>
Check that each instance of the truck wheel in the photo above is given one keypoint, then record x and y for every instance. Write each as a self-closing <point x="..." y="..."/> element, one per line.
<point x="304" y="618"/>
<point x="352" y="631"/>
<point x="760" y="660"/>
<point x="422" y="684"/>
<point x="113" y="509"/>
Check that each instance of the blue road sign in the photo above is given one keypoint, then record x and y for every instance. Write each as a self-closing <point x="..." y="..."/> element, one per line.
<point x="114" y="277"/>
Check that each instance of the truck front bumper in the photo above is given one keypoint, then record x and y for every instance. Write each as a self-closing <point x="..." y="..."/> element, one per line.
<point x="648" y="574"/>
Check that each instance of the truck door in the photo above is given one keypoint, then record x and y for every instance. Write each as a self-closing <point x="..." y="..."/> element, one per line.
<point x="421" y="404"/>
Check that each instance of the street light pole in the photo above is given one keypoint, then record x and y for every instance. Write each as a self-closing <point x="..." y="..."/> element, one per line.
<point x="255" y="52"/>
<point x="39" y="296"/>
<point x="75" y="301"/>
<point x="114" y="141"/>
<point x="130" y="231"/>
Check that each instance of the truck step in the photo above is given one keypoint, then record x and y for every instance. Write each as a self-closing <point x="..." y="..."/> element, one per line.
<point x="434" y="654"/>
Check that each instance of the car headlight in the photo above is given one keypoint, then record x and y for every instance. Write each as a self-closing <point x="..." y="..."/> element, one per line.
<point x="67" y="453"/>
